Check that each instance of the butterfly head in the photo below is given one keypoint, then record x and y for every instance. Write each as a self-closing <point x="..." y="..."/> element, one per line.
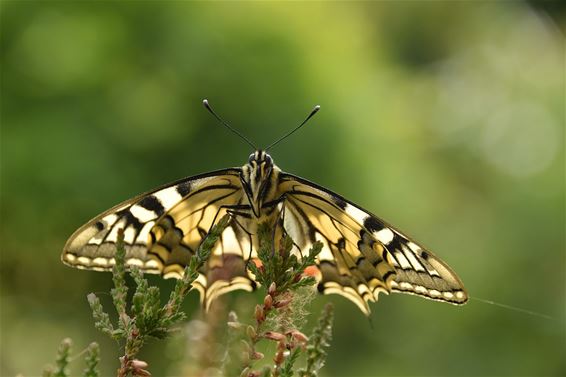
<point x="257" y="177"/>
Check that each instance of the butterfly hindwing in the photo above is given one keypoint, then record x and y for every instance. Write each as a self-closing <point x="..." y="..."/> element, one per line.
<point x="351" y="262"/>
<point x="362" y="254"/>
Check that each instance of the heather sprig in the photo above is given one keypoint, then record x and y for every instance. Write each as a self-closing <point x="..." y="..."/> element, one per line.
<point x="91" y="360"/>
<point x="277" y="265"/>
<point x="279" y="318"/>
<point x="318" y="342"/>
<point x="145" y="317"/>
<point x="63" y="359"/>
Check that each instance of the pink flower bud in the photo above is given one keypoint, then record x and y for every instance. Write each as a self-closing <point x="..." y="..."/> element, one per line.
<point x="251" y="332"/>
<point x="274" y="335"/>
<point x="138" y="368"/>
<point x="141" y="373"/>
<point x="280" y="355"/>
<point x="299" y="336"/>
<point x="257" y="356"/>
<point x="282" y="303"/>
<point x="268" y="302"/>
<point x="272" y="289"/>
<point x="138" y="364"/>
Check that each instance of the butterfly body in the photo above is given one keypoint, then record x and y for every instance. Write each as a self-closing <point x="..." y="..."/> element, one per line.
<point x="362" y="255"/>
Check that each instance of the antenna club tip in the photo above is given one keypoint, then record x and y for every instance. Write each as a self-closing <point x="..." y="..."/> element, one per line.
<point x="317" y="107"/>
<point x="205" y="102"/>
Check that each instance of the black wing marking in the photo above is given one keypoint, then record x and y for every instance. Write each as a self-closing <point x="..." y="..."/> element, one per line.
<point x="363" y="255"/>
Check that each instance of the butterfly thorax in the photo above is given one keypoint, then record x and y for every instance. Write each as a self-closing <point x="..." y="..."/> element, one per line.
<point x="259" y="179"/>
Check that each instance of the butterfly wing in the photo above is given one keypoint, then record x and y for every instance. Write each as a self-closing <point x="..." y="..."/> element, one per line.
<point x="362" y="254"/>
<point x="164" y="227"/>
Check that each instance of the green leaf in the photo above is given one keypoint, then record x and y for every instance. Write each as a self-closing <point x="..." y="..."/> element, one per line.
<point x="319" y="340"/>
<point x="101" y="318"/>
<point x="287" y="370"/>
<point x="91" y="360"/>
<point x="63" y="359"/>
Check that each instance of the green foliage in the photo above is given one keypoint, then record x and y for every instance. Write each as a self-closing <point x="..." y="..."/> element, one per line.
<point x="120" y="291"/>
<point x="91" y="360"/>
<point x="319" y="340"/>
<point x="101" y="318"/>
<point x="146" y="317"/>
<point x="287" y="369"/>
<point x="278" y="319"/>
<point x="280" y="267"/>
<point x="64" y="358"/>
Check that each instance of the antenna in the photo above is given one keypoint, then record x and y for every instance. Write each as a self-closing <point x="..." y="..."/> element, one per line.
<point x="207" y="106"/>
<point x="314" y="111"/>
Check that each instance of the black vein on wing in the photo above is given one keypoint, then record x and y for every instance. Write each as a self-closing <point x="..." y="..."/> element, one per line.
<point x="320" y="209"/>
<point x="339" y="253"/>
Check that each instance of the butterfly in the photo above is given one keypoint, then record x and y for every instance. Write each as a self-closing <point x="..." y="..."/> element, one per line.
<point x="362" y="255"/>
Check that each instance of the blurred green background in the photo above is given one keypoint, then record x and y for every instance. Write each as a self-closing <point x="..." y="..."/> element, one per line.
<point x="445" y="118"/>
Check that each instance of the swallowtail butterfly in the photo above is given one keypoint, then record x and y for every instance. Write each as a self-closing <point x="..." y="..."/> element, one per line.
<point x="362" y="255"/>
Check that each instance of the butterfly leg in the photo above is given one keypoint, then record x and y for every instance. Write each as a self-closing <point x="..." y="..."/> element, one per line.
<point x="236" y="211"/>
<point x="235" y="219"/>
<point x="277" y="220"/>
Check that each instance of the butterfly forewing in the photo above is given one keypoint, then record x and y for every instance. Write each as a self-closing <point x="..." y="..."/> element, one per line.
<point x="163" y="228"/>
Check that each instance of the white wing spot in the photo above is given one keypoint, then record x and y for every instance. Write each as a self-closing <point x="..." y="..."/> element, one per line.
<point x="413" y="246"/>
<point x="172" y="275"/>
<point x="405" y="285"/>
<point x="168" y="197"/>
<point x="135" y="262"/>
<point x="97" y="239"/>
<point x="363" y="289"/>
<point x="385" y="236"/>
<point x="100" y="261"/>
<point x="152" y="264"/>
<point x="420" y="289"/>
<point x="70" y="257"/>
<point x="142" y="214"/>
<point x="448" y="295"/>
<point x="405" y="264"/>
<point x="325" y="253"/>
<point x="434" y="293"/>
<point x="411" y="257"/>
<point x="356" y="213"/>
<point x="129" y="235"/>
<point x="109" y="220"/>
<point x="113" y="236"/>
<point x="143" y="236"/>
<point x="433" y="272"/>
<point x="84" y="260"/>
<point x="230" y="242"/>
